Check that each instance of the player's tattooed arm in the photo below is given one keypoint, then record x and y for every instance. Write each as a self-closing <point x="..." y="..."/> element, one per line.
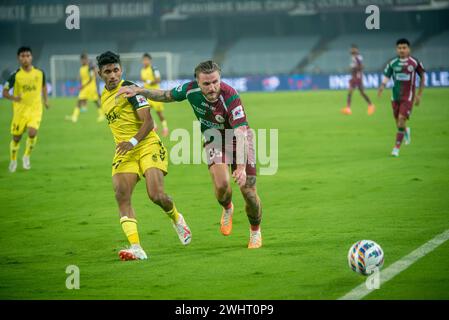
<point x="152" y="94"/>
<point x="158" y="95"/>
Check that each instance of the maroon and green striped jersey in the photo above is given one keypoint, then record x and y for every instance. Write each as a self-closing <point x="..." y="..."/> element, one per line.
<point x="226" y="113"/>
<point x="403" y="72"/>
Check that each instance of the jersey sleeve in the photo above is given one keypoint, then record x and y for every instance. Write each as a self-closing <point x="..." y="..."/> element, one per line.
<point x="10" y="82"/>
<point x="236" y="111"/>
<point x="420" y="68"/>
<point x="180" y="92"/>
<point x="388" y="71"/>
<point x="138" y="101"/>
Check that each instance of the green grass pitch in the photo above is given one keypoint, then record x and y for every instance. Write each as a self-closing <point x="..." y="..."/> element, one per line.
<point x="336" y="184"/>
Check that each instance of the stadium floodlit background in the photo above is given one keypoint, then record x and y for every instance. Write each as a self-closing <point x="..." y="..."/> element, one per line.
<point x="335" y="183"/>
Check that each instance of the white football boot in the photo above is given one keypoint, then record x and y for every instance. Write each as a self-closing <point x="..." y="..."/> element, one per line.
<point x="183" y="230"/>
<point x="255" y="239"/>
<point x="26" y="162"/>
<point x="135" y="252"/>
<point x="395" y="152"/>
<point x="12" y="166"/>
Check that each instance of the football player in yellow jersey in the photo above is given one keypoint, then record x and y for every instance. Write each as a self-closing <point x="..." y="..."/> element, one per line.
<point x="139" y="152"/>
<point x="151" y="78"/>
<point x="88" y="89"/>
<point x="29" y="87"/>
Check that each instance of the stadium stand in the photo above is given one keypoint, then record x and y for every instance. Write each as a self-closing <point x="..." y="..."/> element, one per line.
<point x="50" y="49"/>
<point x="434" y="52"/>
<point x="8" y="58"/>
<point x="188" y="52"/>
<point x="269" y="55"/>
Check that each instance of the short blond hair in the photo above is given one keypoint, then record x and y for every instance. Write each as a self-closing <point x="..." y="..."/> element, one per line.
<point x="206" y="67"/>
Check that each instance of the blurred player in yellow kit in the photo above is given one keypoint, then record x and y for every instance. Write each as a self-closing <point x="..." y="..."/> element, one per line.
<point x="28" y="83"/>
<point x="139" y="152"/>
<point x="151" y="78"/>
<point x="88" y="90"/>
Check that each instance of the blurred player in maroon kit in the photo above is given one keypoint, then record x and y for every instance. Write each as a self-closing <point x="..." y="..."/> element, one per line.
<point x="403" y="69"/>
<point x="357" y="81"/>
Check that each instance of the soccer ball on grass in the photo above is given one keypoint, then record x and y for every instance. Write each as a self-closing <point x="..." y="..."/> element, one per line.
<point x="365" y="256"/>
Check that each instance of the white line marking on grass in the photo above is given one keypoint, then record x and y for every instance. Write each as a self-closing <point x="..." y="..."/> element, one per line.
<point x="361" y="291"/>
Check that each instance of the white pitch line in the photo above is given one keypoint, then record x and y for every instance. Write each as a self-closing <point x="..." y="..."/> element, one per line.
<point x="361" y="291"/>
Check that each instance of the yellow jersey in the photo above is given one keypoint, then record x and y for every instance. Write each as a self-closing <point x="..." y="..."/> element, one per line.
<point x="150" y="73"/>
<point x="121" y="114"/>
<point x="87" y="72"/>
<point x="27" y="85"/>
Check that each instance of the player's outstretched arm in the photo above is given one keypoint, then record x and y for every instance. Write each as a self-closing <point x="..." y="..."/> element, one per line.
<point x="152" y="94"/>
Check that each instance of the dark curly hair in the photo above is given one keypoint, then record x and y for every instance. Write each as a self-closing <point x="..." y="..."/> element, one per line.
<point x="107" y="57"/>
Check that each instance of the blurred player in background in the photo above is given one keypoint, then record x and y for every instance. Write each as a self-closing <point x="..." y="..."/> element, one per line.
<point x="151" y="78"/>
<point x="219" y="109"/>
<point x="139" y="152"/>
<point x="357" y="81"/>
<point x="28" y="83"/>
<point x="88" y="89"/>
<point x="403" y="70"/>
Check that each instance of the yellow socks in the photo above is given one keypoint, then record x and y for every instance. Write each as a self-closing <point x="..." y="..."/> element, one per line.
<point x="173" y="214"/>
<point x="30" y="143"/>
<point x="164" y="124"/>
<point x="13" y="149"/>
<point x="129" y="227"/>
<point x="75" y="114"/>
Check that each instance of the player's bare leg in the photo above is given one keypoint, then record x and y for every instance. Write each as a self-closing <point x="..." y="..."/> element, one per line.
<point x="223" y="192"/>
<point x="155" y="187"/>
<point x="30" y="144"/>
<point x="253" y="210"/>
<point x="163" y="123"/>
<point x="347" y="110"/>
<point x="124" y="184"/>
<point x="13" y="150"/>
<point x="371" y="107"/>
<point x="401" y="123"/>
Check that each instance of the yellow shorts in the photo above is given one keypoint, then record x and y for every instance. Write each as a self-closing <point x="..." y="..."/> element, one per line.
<point x="147" y="154"/>
<point x="157" y="106"/>
<point x="20" y="122"/>
<point x="90" y="94"/>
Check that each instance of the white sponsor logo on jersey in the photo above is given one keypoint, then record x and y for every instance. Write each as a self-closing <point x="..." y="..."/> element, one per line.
<point x="403" y="77"/>
<point x="237" y="113"/>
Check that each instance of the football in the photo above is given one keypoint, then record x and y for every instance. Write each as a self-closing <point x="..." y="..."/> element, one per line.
<point x="365" y="256"/>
